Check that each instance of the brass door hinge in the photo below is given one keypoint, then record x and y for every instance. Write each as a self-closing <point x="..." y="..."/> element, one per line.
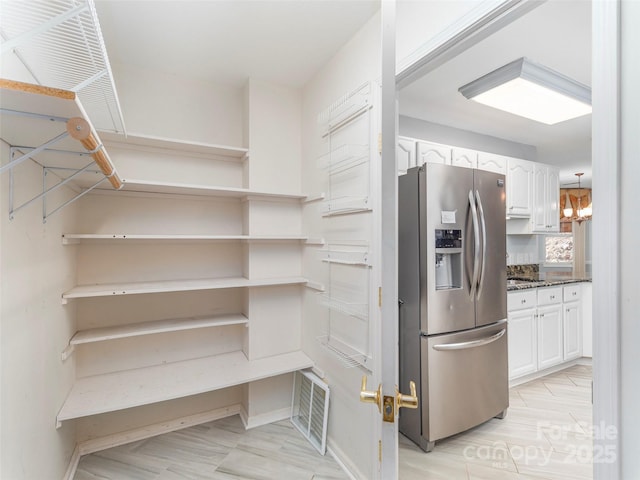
<point x="379" y="296"/>
<point x="380" y="143"/>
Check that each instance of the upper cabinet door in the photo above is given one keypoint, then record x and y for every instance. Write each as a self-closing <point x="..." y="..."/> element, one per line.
<point x="433" y="153"/>
<point x="519" y="187"/>
<point x="492" y="162"/>
<point x="546" y="198"/>
<point x="553" y="199"/>
<point x="406" y="153"/>
<point x="461" y="157"/>
<point x="539" y="198"/>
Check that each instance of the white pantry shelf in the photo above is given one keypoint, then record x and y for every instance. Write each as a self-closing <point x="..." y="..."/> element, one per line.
<point x="188" y="147"/>
<point x="132" y="288"/>
<point x="73" y="238"/>
<point x="145" y="186"/>
<point x="156" y="326"/>
<point x="143" y="386"/>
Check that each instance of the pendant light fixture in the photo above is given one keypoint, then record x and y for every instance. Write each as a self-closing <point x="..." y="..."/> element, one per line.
<point x="531" y="90"/>
<point x="583" y="209"/>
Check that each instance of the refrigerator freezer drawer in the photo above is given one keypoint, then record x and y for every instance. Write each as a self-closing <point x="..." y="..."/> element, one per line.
<point x="465" y="382"/>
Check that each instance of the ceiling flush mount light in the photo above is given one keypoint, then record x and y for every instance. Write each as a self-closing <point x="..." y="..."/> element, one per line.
<point x="531" y="90"/>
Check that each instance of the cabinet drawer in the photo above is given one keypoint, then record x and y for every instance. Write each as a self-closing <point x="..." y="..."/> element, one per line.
<point x="571" y="292"/>
<point x="521" y="300"/>
<point x="549" y="296"/>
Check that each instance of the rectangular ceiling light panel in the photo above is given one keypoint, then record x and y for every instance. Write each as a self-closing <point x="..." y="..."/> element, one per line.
<point x="532" y="91"/>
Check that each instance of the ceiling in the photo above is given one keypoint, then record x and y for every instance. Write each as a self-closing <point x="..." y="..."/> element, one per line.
<point x="556" y="34"/>
<point x="228" y="41"/>
<point x="287" y="42"/>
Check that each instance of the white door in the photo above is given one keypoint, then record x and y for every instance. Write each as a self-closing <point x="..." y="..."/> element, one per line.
<point x="553" y="199"/>
<point x="406" y="154"/>
<point x="549" y="336"/>
<point x="462" y="157"/>
<point x="539" y="198"/>
<point x="491" y="162"/>
<point x="519" y="185"/>
<point x="571" y="323"/>
<point x="523" y="342"/>
<point x="433" y="153"/>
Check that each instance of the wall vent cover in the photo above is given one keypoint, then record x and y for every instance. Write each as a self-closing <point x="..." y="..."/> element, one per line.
<point x="310" y="408"/>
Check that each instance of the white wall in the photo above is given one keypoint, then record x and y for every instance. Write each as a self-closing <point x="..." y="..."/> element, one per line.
<point x="433" y="132"/>
<point x="274" y="136"/>
<point x="35" y="268"/>
<point x="420" y="21"/>
<point x="163" y="105"/>
<point x="349" y="420"/>
<point x="630" y="232"/>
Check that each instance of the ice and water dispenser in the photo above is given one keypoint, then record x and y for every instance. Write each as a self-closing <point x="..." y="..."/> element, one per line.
<point x="448" y="263"/>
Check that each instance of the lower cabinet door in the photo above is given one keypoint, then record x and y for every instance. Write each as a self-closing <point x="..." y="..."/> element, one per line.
<point x="550" y="344"/>
<point x="523" y="343"/>
<point x="572" y="331"/>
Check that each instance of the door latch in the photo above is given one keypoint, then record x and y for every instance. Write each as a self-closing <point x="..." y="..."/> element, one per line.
<point x="371" y="396"/>
<point x="388" y="405"/>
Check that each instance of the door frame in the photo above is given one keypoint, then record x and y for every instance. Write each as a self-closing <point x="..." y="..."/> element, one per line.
<point x="486" y="19"/>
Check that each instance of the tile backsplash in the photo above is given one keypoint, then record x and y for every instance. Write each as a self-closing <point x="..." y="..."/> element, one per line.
<point x="526" y="270"/>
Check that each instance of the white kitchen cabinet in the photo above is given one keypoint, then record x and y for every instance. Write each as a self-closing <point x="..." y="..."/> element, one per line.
<point x="571" y="330"/>
<point x="428" y="152"/>
<point x="546" y="199"/>
<point x="523" y="344"/>
<point x="462" y="157"/>
<point x="587" y="319"/>
<point x="549" y="336"/>
<point x="545" y="327"/>
<point x="519" y="187"/>
<point x="549" y="316"/>
<point x="406" y="153"/>
<point x="492" y="162"/>
<point x="572" y="321"/>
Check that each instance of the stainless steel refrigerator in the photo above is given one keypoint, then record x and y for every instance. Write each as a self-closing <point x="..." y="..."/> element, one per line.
<point x="453" y="302"/>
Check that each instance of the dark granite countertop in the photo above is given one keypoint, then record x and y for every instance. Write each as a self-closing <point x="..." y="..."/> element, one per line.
<point x="542" y="279"/>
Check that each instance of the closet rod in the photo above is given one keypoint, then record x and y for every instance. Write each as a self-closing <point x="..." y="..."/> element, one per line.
<point x="79" y="129"/>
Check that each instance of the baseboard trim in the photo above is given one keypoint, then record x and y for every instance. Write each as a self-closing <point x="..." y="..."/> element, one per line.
<point x="73" y="464"/>
<point x="108" y="441"/>
<point x="547" y="371"/>
<point x="254" y="421"/>
<point x="341" y="459"/>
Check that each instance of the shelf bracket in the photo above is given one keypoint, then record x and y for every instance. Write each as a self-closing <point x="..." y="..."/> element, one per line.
<point x="45" y="146"/>
<point x="46" y="215"/>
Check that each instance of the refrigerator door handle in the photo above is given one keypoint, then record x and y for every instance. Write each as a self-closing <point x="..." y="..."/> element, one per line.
<point x="484" y="243"/>
<point x="471" y="343"/>
<point x="476" y="243"/>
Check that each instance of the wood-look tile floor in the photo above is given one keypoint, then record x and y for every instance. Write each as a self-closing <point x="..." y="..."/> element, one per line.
<point x="220" y="450"/>
<point x="544" y="436"/>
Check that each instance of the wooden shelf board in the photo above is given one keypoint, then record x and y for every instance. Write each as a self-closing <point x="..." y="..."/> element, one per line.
<point x="157" y="326"/>
<point x="142" y="386"/>
<point x="18" y="130"/>
<point x="143" y="140"/>
<point x="68" y="238"/>
<point x="144" y="186"/>
<point x="132" y="288"/>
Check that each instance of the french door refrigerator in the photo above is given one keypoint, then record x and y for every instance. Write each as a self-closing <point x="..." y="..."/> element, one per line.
<point x="453" y="303"/>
